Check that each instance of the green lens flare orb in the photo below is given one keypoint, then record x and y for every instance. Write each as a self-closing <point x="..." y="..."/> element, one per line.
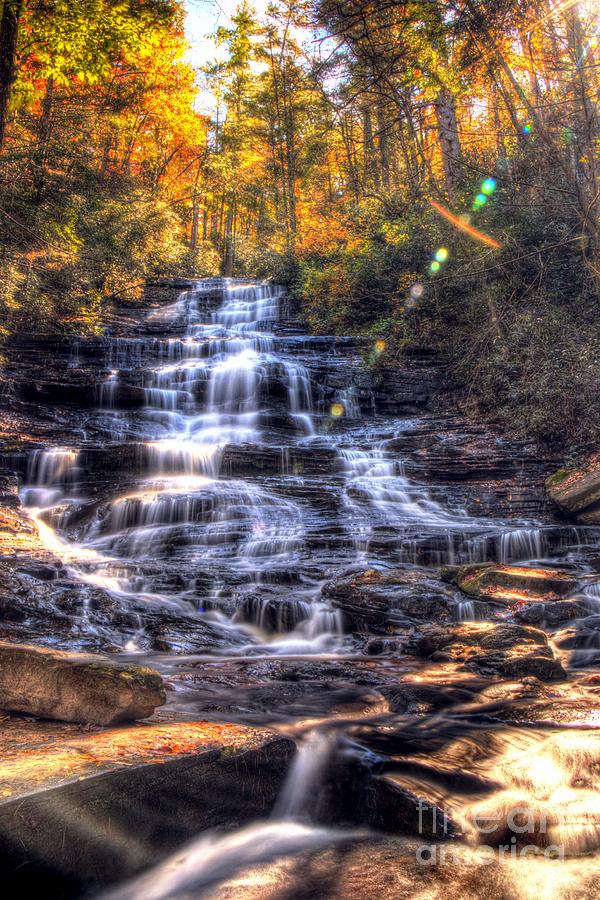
<point x="435" y="266"/>
<point x="488" y="187"/>
<point x="480" y="200"/>
<point x="442" y="255"/>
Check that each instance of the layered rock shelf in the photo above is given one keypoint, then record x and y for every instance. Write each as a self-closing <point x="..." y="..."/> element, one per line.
<point x="333" y="602"/>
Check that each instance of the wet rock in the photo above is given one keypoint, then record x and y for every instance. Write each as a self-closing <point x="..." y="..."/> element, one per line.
<point x="249" y="690"/>
<point x="576" y="492"/>
<point x="40" y="571"/>
<point x="251" y="460"/>
<point x="19" y="536"/>
<point x="165" y="290"/>
<point x="9" y="489"/>
<point x="273" y="614"/>
<point x="493" y="649"/>
<point x="506" y="584"/>
<point x="410" y="441"/>
<point x="483" y="636"/>
<point x="383" y="805"/>
<point x="394" y="868"/>
<point x="380" y="646"/>
<point x="406" y="387"/>
<point x="76" y="687"/>
<point x="476" y="469"/>
<point x="38" y="604"/>
<point x="549" y="615"/>
<point x="383" y="601"/>
<point x="476" y="610"/>
<point x="582" y="640"/>
<point x="58" y="393"/>
<point x="168" y="632"/>
<point x="412" y="698"/>
<point x="341" y="670"/>
<point x="66" y="812"/>
<point x="521" y="665"/>
<point x="351" y="794"/>
<point x="532" y="701"/>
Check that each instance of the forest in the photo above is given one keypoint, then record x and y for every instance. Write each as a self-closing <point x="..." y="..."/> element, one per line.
<point x="426" y="173"/>
<point x="300" y="449"/>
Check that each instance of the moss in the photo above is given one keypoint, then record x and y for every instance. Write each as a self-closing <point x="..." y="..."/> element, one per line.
<point x="557" y="478"/>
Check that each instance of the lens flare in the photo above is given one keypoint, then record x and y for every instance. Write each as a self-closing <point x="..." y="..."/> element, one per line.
<point x="442" y="255"/>
<point x="380" y="346"/>
<point x="417" y="291"/>
<point x="435" y="266"/>
<point x="488" y="187"/>
<point x="480" y="200"/>
<point x="464" y="226"/>
<point x="337" y="410"/>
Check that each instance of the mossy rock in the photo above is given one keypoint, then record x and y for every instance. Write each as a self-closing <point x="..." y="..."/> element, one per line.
<point x="554" y="480"/>
<point x="76" y="687"/>
<point x="509" y="584"/>
<point x="576" y="492"/>
<point x="492" y="649"/>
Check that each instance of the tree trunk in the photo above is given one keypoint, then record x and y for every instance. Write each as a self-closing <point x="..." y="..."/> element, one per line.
<point x="229" y="258"/>
<point x="369" y="161"/>
<point x="196" y="209"/>
<point x="195" y="223"/>
<point x="44" y="134"/>
<point x="383" y="143"/>
<point x="445" y="109"/>
<point x="347" y="138"/>
<point x="588" y="137"/>
<point x="9" y="33"/>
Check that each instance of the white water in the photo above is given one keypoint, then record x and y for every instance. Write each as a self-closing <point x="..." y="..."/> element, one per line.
<point x="210" y="388"/>
<point x="213" y="859"/>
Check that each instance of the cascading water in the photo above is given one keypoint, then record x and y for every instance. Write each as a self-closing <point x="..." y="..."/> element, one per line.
<point x="207" y="390"/>
<point x="224" y="381"/>
<point x="244" y="494"/>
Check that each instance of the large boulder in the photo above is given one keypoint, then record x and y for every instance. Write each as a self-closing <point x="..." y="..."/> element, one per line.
<point x="507" y="584"/>
<point x="385" y="601"/>
<point x="73" y="687"/>
<point x="549" y="615"/>
<point x="490" y="649"/>
<point x="79" y="810"/>
<point x="576" y="492"/>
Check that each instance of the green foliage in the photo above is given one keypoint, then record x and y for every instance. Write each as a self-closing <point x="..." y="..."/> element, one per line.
<point x="101" y="247"/>
<point x="517" y="330"/>
<point x="361" y="288"/>
<point x="261" y="261"/>
<point x="103" y="142"/>
<point x="92" y="34"/>
<point x="203" y="262"/>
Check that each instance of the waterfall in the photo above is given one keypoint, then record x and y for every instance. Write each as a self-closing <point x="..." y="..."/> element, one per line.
<point x="299" y="791"/>
<point x="51" y="475"/>
<point x="220" y="382"/>
<point x="219" y="509"/>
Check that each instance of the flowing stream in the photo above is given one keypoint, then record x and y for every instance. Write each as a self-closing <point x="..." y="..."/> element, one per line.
<point x="246" y="490"/>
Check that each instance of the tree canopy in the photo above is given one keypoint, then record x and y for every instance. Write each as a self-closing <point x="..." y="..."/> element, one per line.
<point x="426" y="170"/>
